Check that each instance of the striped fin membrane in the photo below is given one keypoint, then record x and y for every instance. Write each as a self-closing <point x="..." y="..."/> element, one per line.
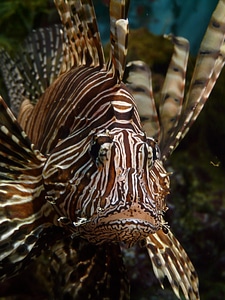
<point x="170" y="259"/>
<point x="79" y="20"/>
<point x="81" y="46"/>
<point x="172" y="93"/>
<point x="35" y="66"/>
<point x="177" y="111"/>
<point x="138" y="79"/>
<point x="209" y="64"/>
<point x="23" y="211"/>
<point x="52" y="118"/>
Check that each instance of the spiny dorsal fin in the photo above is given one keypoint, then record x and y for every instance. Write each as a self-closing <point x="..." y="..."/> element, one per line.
<point x="79" y="20"/>
<point x="12" y="77"/>
<point x="172" y="94"/>
<point x="118" y="36"/>
<point x="209" y="64"/>
<point x="138" y="79"/>
<point x="170" y="260"/>
<point x="36" y="65"/>
<point x="24" y="212"/>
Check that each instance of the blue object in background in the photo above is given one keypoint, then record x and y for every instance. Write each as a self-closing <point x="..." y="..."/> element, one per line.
<point x="188" y="19"/>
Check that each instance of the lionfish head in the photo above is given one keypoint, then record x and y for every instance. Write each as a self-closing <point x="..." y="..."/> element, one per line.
<point x="118" y="194"/>
<point x="131" y="201"/>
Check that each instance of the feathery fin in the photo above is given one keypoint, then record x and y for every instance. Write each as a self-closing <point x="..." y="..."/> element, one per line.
<point x="35" y="66"/>
<point x="209" y="64"/>
<point x="170" y="260"/>
<point x="79" y="20"/>
<point x="21" y="205"/>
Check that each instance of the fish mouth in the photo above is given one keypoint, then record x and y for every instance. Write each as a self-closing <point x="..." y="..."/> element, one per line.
<point x="128" y="230"/>
<point x="128" y="223"/>
<point x="132" y="214"/>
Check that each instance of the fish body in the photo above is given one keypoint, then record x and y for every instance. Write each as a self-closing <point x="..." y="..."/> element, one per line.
<point x="97" y="156"/>
<point x="80" y="168"/>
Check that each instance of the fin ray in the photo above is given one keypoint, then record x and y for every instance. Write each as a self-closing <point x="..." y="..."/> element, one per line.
<point x="22" y="206"/>
<point x="170" y="260"/>
<point x="79" y="20"/>
<point x="36" y="65"/>
<point x="138" y="79"/>
<point x="209" y="63"/>
<point x="172" y="94"/>
<point x="118" y="36"/>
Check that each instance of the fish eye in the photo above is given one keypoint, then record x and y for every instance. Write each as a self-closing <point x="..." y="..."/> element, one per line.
<point x="100" y="146"/>
<point x="95" y="147"/>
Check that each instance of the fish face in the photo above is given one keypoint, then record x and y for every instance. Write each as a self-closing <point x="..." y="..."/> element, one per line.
<point x="131" y="204"/>
<point x="115" y="193"/>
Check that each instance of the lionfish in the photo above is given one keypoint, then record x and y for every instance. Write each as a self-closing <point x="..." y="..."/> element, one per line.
<point x="81" y="155"/>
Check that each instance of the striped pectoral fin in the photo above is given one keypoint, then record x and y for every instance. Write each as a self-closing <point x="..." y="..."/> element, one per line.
<point x="39" y="60"/>
<point x="35" y="66"/>
<point x="138" y="79"/>
<point x="12" y="77"/>
<point x="18" y="154"/>
<point x="170" y="260"/>
<point x="87" y="271"/>
<point x="23" y="210"/>
<point x="209" y="63"/>
<point x="18" y="237"/>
